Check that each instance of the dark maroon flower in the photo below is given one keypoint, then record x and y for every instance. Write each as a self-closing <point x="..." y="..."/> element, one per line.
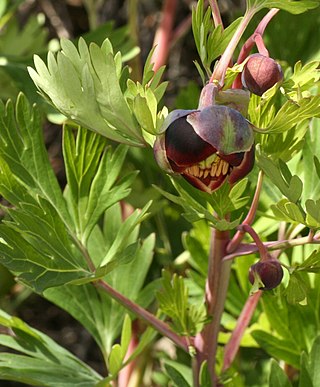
<point x="267" y="274"/>
<point x="206" y="146"/>
<point x="260" y="73"/>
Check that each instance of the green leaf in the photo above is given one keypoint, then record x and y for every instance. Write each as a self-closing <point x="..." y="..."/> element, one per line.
<point x="195" y="203"/>
<point x="210" y="42"/>
<point x="310" y="264"/>
<point x="92" y="307"/>
<point x="304" y="376"/>
<point x="186" y="319"/>
<point x="115" y="359"/>
<point x="314" y="361"/>
<point x="84" y="85"/>
<point x="23" y="150"/>
<point x="302" y="80"/>
<point x="297" y="289"/>
<point x="278" y="348"/>
<point x="176" y="376"/>
<point x="309" y="164"/>
<point x="126" y="335"/>
<point x="291" y="6"/>
<point x="288" y="211"/>
<point x="38" y="360"/>
<point x="37" y="247"/>
<point x="277" y="376"/>
<point x="290" y="186"/>
<point x="93" y="177"/>
<point x="291" y="113"/>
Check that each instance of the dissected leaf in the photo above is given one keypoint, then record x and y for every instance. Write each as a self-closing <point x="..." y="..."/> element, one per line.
<point x="291" y="6"/>
<point x="39" y="360"/>
<point x="84" y="85"/>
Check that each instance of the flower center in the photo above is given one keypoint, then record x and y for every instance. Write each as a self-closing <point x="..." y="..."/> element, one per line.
<point x="213" y="166"/>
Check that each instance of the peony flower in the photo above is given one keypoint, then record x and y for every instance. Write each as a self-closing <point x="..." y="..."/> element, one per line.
<point x="206" y="146"/>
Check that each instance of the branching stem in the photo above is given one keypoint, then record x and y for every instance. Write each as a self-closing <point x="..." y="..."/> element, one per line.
<point x="142" y="313"/>
<point x="238" y="237"/>
<point x="219" y="73"/>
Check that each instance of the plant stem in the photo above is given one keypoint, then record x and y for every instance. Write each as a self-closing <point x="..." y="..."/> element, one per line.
<point x="261" y="247"/>
<point x="216" y="13"/>
<point x="238" y="237"/>
<point x="255" y="38"/>
<point x="163" y="34"/>
<point x="221" y="68"/>
<point x="142" y="313"/>
<point x="206" y="342"/>
<point x="250" y="248"/>
<point x="233" y="344"/>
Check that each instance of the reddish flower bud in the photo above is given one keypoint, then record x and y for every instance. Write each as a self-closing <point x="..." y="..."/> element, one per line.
<point x="268" y="274"/>
<point x="206" y="146"/>
<point x="260" y="73"/>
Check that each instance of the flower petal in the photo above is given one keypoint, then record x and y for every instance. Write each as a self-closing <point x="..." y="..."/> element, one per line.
<point x="224" y="128"/>
<point x="244" y="168"/>
<point x="183" y="146"/>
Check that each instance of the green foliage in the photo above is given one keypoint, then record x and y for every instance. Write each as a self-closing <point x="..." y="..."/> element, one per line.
<point x="75" y="83"/>
<point x="38" y="360"/>
<point x="186" y="319"/>
<point x="144" y="98"/>
<point x="294" y="7"/>
<point x="199" y="205"/>
<point x="210" y="41"/>
<point x="92" y="172"/>
<point x="277" y="376"/>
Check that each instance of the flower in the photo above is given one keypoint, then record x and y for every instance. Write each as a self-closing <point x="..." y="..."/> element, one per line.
<point x="267" y="274"/>
<point x="260" y="73"/>
<point x="206" y="146"/>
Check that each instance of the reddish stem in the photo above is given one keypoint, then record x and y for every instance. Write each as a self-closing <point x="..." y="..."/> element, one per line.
<point x="238" y="237"/>
<point x="261" y="46"/>
<point x="163" y="34"/>
<point x="142" y="313"/>
<point x="216" y="13"/>
<point x="206" y="342"/>
<point x="264" y="255"/>
<point x="251" y="41"/>
<point x="233" y="344"/>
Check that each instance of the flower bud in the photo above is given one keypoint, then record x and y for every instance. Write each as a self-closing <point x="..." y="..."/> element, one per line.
<point x="206" y="146"/>
<point x="267" y="274"/>
<point x="260" y="73"/>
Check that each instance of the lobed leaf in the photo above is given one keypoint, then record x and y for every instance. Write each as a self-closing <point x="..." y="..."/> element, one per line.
<point x="292" y="6"/>
<point x="38" y="360"/>
<point x="84" y="85"/>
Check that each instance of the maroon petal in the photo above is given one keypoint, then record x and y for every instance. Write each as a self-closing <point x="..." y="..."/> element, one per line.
<point x="244" y="168"/>
<point x="183" y="146"/>
<point x="224" y="128"/>
<point x="160" y="154"/>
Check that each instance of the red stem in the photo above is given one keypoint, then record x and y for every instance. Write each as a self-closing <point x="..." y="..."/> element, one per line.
<point x="142" y="313"/>
<point x="163" y="34"/>
<point x="206" y="342"/>
<point x="261" y="247"/>
<point x="216" y="13"/>
<point x="251" y="41"/>
<point x="238" y="237"/>
<point x="233" y="344"/>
